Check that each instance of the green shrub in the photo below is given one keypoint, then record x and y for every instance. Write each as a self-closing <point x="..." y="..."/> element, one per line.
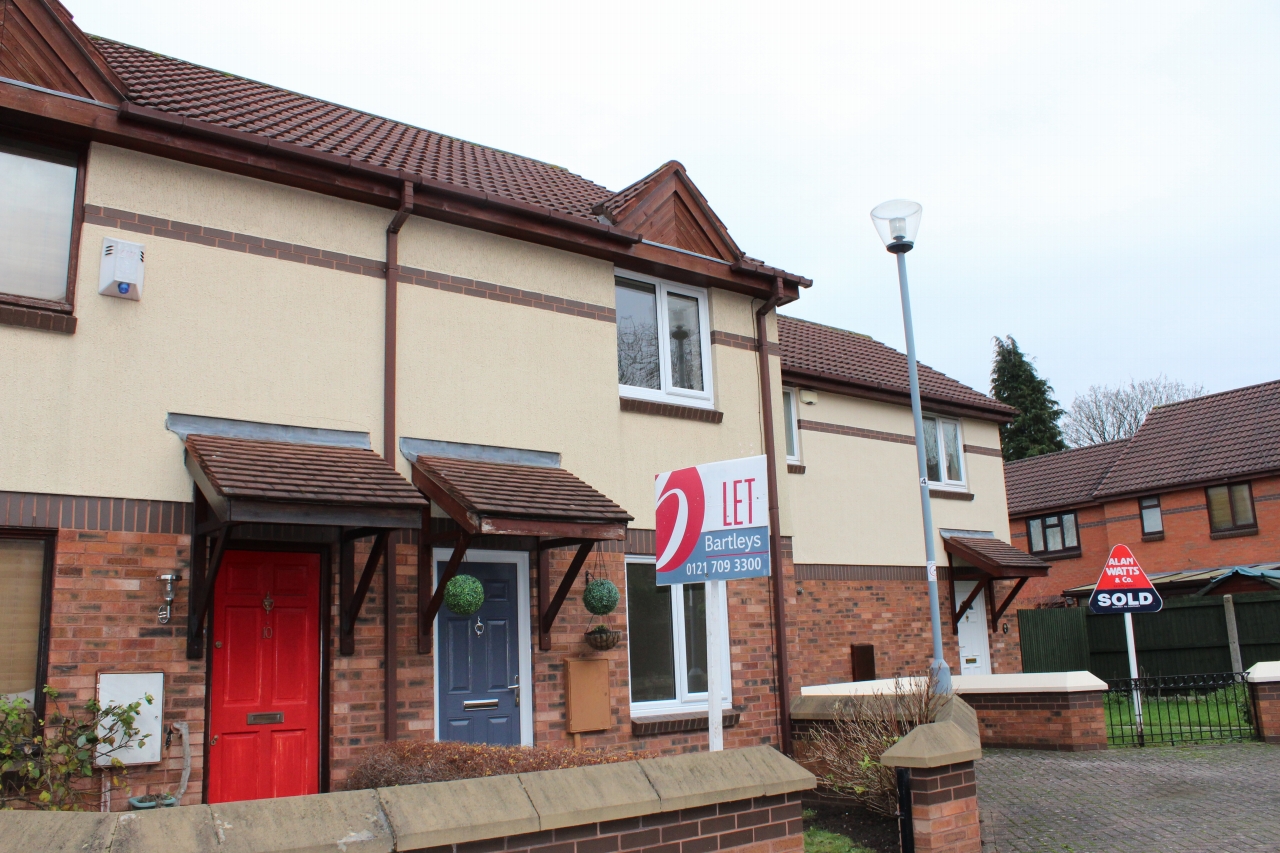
<point x="464" y="594"/>
<point x="600" y="596"/>
<point x="410" y="762"/>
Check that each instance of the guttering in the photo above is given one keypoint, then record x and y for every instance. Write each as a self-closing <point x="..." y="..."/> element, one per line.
<point x="389" y="442"/>
<point x="775" y="524"/>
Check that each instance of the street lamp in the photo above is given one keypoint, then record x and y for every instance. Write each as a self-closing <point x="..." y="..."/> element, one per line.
<point x="897" y="222"/>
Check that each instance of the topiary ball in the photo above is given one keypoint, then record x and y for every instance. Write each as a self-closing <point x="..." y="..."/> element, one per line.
<point x="464" y="594"/>
<point x="600" y="596"/>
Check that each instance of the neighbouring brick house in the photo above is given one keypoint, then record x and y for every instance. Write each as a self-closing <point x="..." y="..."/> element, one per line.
<point x="365" y="357"/>
<point x="1197" y="487"/>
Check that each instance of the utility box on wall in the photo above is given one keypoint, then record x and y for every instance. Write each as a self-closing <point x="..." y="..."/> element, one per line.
<point x="123" y="269"/>
<point x="586" y="695"/>
<point x="125" y="688"/>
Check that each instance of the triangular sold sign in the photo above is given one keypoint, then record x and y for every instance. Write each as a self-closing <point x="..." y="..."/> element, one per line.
<point x="1124" y="587"/>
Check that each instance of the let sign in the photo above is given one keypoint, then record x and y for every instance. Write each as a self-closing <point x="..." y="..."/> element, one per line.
<point x="713" y="522"/>
<point x="1124" y="587"/>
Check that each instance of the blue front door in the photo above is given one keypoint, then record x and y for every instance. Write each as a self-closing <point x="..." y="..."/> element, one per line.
<point x="479" y="660"/>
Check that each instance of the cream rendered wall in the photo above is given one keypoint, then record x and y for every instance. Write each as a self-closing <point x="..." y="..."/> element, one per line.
<point x="234" y="335"/>
<point x="858" y="502"/>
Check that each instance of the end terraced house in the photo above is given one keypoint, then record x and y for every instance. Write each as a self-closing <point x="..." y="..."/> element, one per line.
<point x="289" y="364"/>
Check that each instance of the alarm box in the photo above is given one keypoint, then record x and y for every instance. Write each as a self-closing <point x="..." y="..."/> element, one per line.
<point x="123" y="268"/>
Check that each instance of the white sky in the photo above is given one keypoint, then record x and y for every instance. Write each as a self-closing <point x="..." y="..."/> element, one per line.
<point x="1098" y="179"/>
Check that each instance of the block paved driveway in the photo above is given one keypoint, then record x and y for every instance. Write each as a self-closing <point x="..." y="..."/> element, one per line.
<point x="1166" y="799"/>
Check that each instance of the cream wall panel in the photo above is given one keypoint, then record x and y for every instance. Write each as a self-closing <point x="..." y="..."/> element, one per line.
<point x="141" y="183"/>
<point x="734" y="313"/>
<point x="217" y="333"/>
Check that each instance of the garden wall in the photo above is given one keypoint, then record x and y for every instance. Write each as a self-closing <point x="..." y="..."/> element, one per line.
<point x="738" y="801"/>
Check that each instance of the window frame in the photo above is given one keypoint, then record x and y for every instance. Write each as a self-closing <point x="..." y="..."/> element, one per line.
<point x="668" y="393"/>
<point x="684" y="701"/>
<point x="1143" y="506"/>
<point x="1231" y="502"/>
<point x="792" y="425"/>
<point x="949" y="485"/>
<point x="50" y="539"/>
<point x="1066" y="550"/>
<point x="81" y="155"/>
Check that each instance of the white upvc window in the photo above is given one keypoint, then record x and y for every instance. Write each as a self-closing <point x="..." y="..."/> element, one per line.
<point x="667" y="643"/>
<point x="664" y="341"/>
<point x="792" y="419"/>
<point x="944" y="452"/>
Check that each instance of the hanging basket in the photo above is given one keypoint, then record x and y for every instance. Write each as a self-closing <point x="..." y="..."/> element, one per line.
<point x="600" y="596"/>
<point x="604" y="640"/>
<point x="464" y="595"/>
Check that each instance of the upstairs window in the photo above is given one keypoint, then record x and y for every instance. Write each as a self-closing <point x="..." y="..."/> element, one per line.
<point x="789" y="416"/>
<point x="1230" y="508"/>
<point x="1053" y="534"/>
<point x="1152" y="522"/>
<point x="37" y="213"/>
<point x="943" y="458"/>
<point x="664" y="342"/>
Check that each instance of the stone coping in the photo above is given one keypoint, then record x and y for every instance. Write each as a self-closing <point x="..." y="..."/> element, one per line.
<point x="1079" y="681"/>
<point x="1264" y="671"/>
<point x="951" y="739"/>
<point x="412" y="817"/>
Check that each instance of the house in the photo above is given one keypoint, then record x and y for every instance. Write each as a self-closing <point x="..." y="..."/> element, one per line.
<point x="856" y="519"/>
<point x="275" y="369"/>
<point x="1195" y="488"/>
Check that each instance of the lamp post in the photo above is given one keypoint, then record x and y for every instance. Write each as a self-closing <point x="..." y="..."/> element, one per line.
<point x="897" y="222"/>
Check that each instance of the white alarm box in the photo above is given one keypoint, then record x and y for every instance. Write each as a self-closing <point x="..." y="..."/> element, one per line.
<point x="123" y="267"/>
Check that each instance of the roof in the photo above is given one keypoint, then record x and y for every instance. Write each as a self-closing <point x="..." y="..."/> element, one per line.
<point x="224" y="100"/>
<point x="996" y="557"/>
<point x="545" y="500"/>
<point x="1058" y="480"/>
<point x="1216" y="437"/>
<point x="1202" y="579"/>
<point x="812" y="350"/>
<point x="306" y="473"/>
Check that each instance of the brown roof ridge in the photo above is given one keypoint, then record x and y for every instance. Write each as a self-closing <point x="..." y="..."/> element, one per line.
<point x="863" y="335"/>
<point x="1058" y="454"/>
<point x="1202" y="397"/>
<point x="337" y="105"/>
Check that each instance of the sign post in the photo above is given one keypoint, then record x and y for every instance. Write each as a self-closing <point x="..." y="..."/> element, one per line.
<point x="1125" y="588"/>
<point x="713" y="526"/>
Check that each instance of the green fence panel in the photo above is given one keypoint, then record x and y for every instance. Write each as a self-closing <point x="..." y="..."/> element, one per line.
<point x="1053" y="640"/>
<point x="1258" y="621"/>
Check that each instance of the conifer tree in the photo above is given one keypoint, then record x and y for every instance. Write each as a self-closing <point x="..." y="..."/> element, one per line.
<point x="1014" y="381"/>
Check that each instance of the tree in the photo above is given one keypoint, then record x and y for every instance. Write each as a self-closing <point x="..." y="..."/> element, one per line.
<point x="1014" y="382"/>
<point x="1107" y="414"/>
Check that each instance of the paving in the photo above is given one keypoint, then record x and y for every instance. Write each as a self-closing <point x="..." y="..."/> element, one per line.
<point x="1166" y="799"/>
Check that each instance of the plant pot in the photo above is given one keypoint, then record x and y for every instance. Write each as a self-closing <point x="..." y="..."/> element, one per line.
<point x="602" y="641"/>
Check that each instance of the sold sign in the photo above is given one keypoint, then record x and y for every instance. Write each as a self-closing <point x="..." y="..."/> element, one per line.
<point x="1124" y="587"/>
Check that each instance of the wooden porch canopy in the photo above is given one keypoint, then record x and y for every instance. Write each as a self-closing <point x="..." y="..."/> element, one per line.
<point x="507" y="498"/>
<point x="987" y="560"/>
<point x="257" y="481"/>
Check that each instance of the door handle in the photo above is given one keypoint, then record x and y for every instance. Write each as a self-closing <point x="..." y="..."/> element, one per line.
<point x="516" y="688"/>
<point x="213" y="740"/>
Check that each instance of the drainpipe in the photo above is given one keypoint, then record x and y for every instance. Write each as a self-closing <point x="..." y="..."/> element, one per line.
<point x="775" y="525"/>
<point x="389" y="445"/>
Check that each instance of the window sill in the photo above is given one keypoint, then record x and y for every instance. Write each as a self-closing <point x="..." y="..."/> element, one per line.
<point x="1153" y="537"/>
<point x="685" y="721"/>
<point x="670" y="410"/>
<point x="1233" y="534"/>
<point x="1057" y="555"/>
<point x="950" y="495"/>
<point x="33" y="318"/>
<point x="795" y="468"/>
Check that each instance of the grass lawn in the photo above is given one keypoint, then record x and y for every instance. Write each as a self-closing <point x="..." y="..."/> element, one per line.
<point x="821" y="841"/>
<point x="1220" y="716"/>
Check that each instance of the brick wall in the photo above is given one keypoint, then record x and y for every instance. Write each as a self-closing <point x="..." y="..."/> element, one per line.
<point x="1186" y="543"/>
<point x="1266" y="705"/>
<point x="1067" y="722"/>
<point x="944" y="809"/>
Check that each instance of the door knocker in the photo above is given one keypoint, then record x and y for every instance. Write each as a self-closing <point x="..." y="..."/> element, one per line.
<point x="268" y="603"/>
<point x="479" y="627"/>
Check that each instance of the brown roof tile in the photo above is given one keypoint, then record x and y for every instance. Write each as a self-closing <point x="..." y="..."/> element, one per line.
<point x="520" y="491"/>
<point x="997" y="556"/>
<point x="1232" y="434"/>
<point x="301" y="473"/>
<point x="846" y="357"/>
<point x="1058" y="480"/>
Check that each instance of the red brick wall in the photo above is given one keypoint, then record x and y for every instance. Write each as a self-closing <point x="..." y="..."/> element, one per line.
<point x="1066" y="722"/>
<point x="1186" y="543"/>
<point x="944" y="809"/>
<point x="1266" y="704"/>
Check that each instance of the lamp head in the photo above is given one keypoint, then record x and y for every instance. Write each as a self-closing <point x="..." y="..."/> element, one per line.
<point x="897" y="222"/>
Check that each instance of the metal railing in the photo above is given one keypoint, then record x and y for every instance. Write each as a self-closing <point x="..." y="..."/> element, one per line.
<point x="1168" y="709"/>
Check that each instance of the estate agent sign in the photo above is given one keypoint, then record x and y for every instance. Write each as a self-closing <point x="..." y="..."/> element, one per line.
<point x="713" y="522"/>
<point x="1124" y="587"/>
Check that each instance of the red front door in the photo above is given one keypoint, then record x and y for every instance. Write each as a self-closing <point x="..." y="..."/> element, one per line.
<point x="264" y="719"/>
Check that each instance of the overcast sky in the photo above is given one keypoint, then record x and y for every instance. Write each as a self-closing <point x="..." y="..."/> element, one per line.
<point x="1099" y="180"/>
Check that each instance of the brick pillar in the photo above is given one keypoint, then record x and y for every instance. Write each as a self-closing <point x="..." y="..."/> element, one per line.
<point x="944" y="809"/>
<point x="1266" y="705"/>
